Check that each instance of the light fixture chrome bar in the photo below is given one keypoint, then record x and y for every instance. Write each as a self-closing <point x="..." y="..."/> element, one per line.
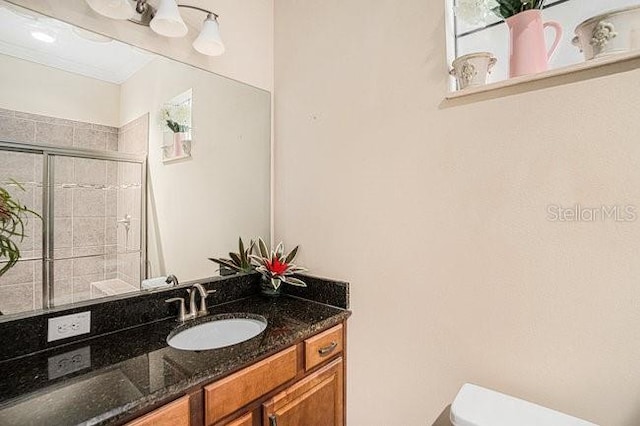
<point x="147" y="12"/>
<point x="208" y="12"/>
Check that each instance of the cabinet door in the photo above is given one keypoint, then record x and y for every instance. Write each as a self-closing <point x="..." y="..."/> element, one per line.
<point x="317" y="400"/>
<point x="173" y="414"/>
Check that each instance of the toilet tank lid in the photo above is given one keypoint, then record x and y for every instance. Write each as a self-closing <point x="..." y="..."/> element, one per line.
<point x="477" y="406"/>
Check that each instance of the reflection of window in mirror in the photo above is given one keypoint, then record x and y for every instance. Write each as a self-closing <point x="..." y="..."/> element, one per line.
<point x="473" y="28"/>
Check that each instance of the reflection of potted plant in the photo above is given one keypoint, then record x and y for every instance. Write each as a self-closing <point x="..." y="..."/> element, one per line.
<point x="528" y="53"/>
<point x="238" y="262"/>
<point x="12" y="220"/>
<point x="276" y="268"/>
<point x="177" y="118"/>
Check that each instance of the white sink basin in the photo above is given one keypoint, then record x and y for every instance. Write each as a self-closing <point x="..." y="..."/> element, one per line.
<point x="217" y="333"/>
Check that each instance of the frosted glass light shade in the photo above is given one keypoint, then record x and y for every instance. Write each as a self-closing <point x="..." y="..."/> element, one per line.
<point x="114" y="9"/>
<point x="209" y="41"/>
<point x="167" y="21"/>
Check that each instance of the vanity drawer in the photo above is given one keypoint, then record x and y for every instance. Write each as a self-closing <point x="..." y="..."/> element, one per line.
<point x="322" y="347"/>
<point x="175" y="413"/>
<point x="246" y="420"/>
<point x="234" y="392"/>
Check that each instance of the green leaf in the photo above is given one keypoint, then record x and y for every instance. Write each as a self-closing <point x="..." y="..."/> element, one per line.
<point x="236" y="259"/>
<point x="291" y="255"/>
<point x="240" y="246"/>
<point x="296" y="282"/>
<point x="263" y="248"/>
<point x="259" y="259"/>
<point x="279" y="250"/>
<point x="224" y="262"/>
<point x="276" y="283"/>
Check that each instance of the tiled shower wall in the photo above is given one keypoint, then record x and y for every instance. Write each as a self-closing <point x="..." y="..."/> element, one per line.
<point x="87" y="194"/>
<point x="133" y="138"/>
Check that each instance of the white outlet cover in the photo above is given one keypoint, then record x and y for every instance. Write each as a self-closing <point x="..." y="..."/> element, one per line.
<point x="69" y="326"/>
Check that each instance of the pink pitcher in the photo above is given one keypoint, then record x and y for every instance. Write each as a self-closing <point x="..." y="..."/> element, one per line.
<point x="528" y="50"/>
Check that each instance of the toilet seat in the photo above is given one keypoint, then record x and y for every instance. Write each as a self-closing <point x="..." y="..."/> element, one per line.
<point x="477" y="406"/>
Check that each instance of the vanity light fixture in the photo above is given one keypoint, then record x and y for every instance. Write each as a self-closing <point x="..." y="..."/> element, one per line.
<point x="165" y="20"/>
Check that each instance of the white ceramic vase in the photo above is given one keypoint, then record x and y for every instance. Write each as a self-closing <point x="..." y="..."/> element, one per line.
<point x="473" y="70"/>
<point x="617" y="31"/>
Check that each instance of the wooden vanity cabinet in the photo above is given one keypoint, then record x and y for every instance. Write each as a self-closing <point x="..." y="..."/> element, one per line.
<point x="302" y="385"/>
<point x="316" y="400"/>
<point x="230" y="394"/>
<point x="246" y="420"/>
<point x="176" y="413"/>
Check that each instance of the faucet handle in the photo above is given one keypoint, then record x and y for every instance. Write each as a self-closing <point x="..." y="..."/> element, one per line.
<point x="203" y="311"/>
<point x="183" y="312"/>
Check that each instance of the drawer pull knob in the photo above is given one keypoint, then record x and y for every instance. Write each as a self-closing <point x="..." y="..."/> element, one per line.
<point x="327" y="349"/>
<point x="273" y="420"/>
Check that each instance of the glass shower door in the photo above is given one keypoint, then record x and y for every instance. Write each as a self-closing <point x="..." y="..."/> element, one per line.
<point x="97" y="210"/>
<point x="21" y="286"/>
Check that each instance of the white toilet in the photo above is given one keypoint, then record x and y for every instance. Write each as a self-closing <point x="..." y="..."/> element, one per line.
<point x="476" y="406"/>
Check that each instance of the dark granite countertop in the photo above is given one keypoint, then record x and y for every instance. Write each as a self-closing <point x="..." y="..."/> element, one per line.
<point x="108" y="378"/>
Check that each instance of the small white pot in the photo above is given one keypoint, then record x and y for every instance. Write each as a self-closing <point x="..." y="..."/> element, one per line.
<point x="617" y="31"/>
<point x="472" y="70"/>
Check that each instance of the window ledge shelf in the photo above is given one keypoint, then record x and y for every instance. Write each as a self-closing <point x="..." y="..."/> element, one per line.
<point x="604" y="63"/>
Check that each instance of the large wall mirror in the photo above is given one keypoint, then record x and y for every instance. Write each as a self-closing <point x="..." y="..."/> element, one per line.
<point x="138" y="166"/>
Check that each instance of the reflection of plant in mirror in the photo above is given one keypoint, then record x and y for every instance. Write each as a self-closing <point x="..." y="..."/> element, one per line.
<point x="177" y="117"/>
<point x="13" y="216"/>
<point x="509" y="8"/>
<point x="276" y="267"/>
<point x="478" y="12"/>
<point x="241" y="261"/>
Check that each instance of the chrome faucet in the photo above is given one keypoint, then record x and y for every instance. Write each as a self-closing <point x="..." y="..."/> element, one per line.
<point x="183" y="316"/>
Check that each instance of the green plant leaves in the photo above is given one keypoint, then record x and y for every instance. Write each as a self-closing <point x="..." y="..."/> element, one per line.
<point x="235" y="258"/>
<point x="296" y="282"/>
<point x="13" y="215"/>
<point x="263" y="248"/>
<point x="509" y="8"/>
<point x="291" y="255"/>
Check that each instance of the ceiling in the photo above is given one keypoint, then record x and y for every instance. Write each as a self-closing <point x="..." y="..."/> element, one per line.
<point x="72" y="49"/>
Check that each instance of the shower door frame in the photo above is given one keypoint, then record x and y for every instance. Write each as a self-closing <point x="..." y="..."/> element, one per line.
<point x="48" y="186"/>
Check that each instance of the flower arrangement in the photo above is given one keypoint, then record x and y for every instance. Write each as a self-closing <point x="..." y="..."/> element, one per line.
<point x="475" y="12"/>
<point x="177" y="117"/>
<point x="241" y="261"/>
<point x="13" y="216"/>
<point x="276" y="267"/>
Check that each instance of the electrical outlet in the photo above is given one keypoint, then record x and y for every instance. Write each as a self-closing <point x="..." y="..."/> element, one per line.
<point x="69" y="326"/>
<point x="69" y="362"/>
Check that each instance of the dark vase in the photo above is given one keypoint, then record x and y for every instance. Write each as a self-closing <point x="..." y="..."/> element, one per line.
<point x="267" y="288"/>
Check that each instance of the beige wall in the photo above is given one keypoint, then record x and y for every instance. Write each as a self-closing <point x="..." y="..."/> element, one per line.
<point x="199" y="206"/>
<point x="246" y="26"/>
<point x="436" y="213"/>
<point x="38" y="89"/>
